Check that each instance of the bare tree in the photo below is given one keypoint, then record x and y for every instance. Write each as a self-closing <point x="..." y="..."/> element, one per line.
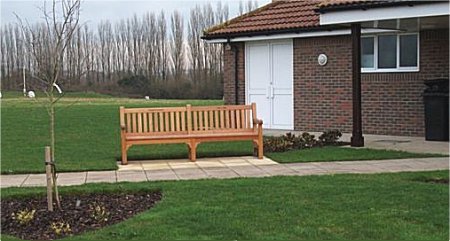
<point x="155" y="46"/>
<point x="162" y="45"/>
<point x="177" y="46"/>
<point x="48" y="44"/>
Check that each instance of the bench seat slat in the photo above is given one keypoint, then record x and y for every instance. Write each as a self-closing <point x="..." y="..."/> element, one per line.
<point x="193" y="135"/>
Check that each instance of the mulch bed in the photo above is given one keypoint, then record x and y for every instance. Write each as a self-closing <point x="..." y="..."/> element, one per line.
<point x="81" y="212"/>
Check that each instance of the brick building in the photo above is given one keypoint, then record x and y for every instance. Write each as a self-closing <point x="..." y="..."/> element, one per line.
<point x="294" y="59"/>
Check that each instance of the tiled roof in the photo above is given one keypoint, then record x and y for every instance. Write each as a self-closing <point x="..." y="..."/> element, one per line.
<point x="290" y="16"/>
<point x="278" y="15"/>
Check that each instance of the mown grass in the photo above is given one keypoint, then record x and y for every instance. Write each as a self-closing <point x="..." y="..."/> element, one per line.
<point x="87" y="133"/>
<point x="346" y="207"/>
<point x="88" y="137"/>
<point x="335" y="153"/>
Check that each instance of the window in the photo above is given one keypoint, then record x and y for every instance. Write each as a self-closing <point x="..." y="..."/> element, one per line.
<point x="387" y="51"/>
<point x="367" y="52"/>
<point x="390" y="53"/>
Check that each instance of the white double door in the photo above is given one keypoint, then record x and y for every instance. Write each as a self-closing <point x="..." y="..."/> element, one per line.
<point x="269" y="81"/>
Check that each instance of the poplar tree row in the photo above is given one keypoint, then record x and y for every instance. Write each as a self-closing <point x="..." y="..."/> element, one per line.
<point x="156" y="54"/>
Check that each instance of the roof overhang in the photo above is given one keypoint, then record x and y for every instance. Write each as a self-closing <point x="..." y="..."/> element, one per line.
<point x="309" y="34"/>
<point x="346" y="16"/>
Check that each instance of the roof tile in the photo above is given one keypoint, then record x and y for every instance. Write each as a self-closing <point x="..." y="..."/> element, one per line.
<point x="282" y="14"/>
<point x="285" y="15"/>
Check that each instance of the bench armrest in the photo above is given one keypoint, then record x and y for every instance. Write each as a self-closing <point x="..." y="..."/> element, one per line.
<point x="257" y="122"/>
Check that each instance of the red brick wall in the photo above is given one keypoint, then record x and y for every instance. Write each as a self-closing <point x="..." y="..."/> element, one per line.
<point x="229" y="74"/>
<point x="391" y="102"/>
<point x="322" y="94"/>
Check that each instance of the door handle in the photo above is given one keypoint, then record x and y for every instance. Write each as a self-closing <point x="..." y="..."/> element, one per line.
<point x="271" y="91"/>
<point x="268" y="94"/>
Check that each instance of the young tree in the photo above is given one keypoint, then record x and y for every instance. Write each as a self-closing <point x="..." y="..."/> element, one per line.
<point x="47" y="46"/>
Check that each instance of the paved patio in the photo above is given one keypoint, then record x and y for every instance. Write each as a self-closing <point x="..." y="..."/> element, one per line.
<point x="221" y="168"/>
<point x="399" y="143"/>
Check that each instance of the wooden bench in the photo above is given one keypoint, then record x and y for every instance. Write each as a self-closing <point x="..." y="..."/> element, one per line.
<point x="191" y="125"/>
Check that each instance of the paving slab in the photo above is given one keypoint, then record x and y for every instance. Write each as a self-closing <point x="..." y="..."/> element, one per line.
<point x="220" y="172"/>
<point x="277" y="170"/>
<point x="182" y="165"/>
<point x="236" y="162"/>
<point x="35" y="180"/>
<point x="131" y="176"/>
<point x="225" y="168"/>
<point x="155" y="166"/>
<point x="205" y="164"/>
<point x="157" y="175"/>
<point x="13" y="180"/>
<point x="132" y="166"/>
<point x="301" y="166"/>
<point x="310" y="172"/>
<point x="71" y="178"/>
<point x="190" y="173"/>
<point x="249" y="171"/>
<point x="101" y="176"/>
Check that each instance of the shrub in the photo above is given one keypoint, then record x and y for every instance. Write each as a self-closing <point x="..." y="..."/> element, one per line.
<point x="23" y="216"/>
<point x="99" y="213"/>
<point x="330" y="137"/>
<point x="277" y="144"/>
<point x="136" y="83"/>
<point x="60" y="228"/>
<point x="290" y="141"/>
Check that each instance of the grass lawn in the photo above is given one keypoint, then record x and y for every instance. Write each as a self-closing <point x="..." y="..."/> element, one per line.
<point x="381" y="206"/>
<point x="335" y="153"/>
<point x="87" y="133"/>
<point x="88" y="137"/>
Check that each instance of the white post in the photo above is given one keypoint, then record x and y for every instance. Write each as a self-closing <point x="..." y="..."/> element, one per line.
<point x="24" y="84"/>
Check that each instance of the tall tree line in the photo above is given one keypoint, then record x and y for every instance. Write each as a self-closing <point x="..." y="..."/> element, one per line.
<point x="155" y="54"/>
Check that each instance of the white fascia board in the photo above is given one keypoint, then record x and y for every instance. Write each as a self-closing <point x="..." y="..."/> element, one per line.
<point x="298" y="35"/>
<point x="385" y="13"/>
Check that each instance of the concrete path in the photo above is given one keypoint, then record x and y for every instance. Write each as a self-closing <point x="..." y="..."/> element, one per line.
<point x="221" y="168"/>
<point x="399" y="143"/>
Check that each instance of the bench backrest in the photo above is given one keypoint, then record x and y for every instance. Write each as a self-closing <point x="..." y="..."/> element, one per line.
<point x="189" y="119"/>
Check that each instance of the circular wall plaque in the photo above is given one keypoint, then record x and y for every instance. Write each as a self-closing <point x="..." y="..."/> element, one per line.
<point x="322" y="59"/>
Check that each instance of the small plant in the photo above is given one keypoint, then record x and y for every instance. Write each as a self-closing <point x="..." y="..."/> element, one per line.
<point x="23" y="216"/>
<point x="308" y="140"/>
<point x="290" y="141"/>
<point x="99" y="213"/>
<point x="330" y="137"/>
<point x="61" y="227"/>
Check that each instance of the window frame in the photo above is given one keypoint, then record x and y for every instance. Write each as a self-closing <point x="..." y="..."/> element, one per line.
<point x="398" y="68"/>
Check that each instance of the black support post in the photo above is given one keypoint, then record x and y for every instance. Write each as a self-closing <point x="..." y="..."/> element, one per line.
<point x="357" y="139"/>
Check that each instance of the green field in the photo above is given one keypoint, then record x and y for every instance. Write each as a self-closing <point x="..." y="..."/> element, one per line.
<point x="397" y="206"/>
<point x="88" y="137"/>
<point x="87" y="132"/>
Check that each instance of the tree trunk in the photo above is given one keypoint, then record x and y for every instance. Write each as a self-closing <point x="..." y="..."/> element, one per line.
<point x="52" y="145"/>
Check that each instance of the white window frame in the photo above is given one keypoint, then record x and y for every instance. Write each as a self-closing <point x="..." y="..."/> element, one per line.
<point x="398" y="68"/>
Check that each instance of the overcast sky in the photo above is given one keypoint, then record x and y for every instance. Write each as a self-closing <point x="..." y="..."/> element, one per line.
<point x="93" y="11"/>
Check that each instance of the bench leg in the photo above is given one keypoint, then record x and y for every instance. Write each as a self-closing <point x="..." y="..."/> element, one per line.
<point x="260" y="150"/>
<point x="192" y="151"/>
<point x="255" y="148"/>
<point x="124" y="154"/>
<point x="260" y="144"/>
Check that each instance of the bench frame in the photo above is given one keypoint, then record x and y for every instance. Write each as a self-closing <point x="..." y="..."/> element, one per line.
<point x="191" y="137"/>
